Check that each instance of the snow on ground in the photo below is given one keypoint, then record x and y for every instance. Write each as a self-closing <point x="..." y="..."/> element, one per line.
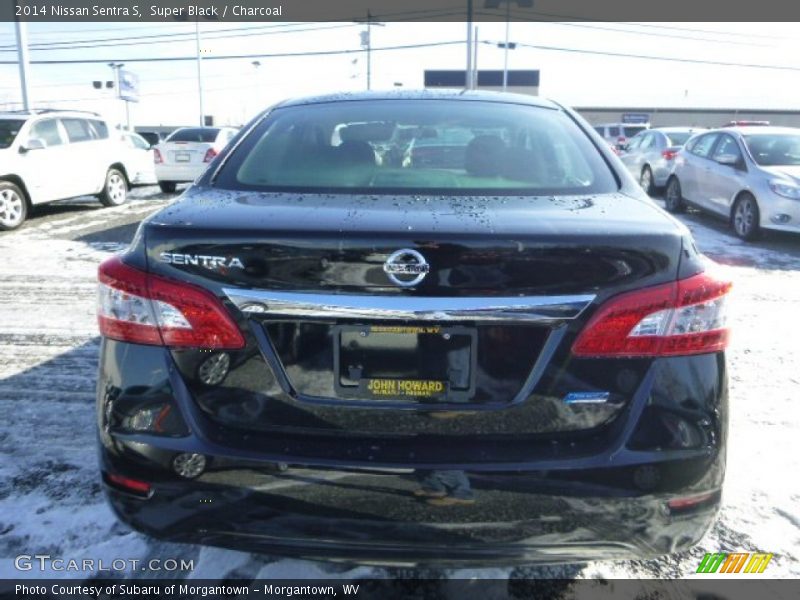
<point x="50" y="497"/>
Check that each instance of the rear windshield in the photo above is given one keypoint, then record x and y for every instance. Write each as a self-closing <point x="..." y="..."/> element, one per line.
<point x="435" y="146"/>
<point x="195" y="134"/>
<point x="774" y="150"/>
<point x="9" y="128"/>
<point x="631" y="131"/>
<point x="678" y="138"/>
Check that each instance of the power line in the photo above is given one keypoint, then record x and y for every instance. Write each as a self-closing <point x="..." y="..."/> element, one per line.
<point x="650" y="57"/>
<point x="141" y="40"/>
<point x="232" y="56"/>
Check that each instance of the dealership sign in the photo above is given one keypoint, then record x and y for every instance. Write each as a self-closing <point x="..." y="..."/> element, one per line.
<point x="635" y="118"/>
<point x="128" y="86"/>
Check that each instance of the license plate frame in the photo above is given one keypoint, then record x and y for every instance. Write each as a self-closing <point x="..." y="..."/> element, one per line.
<point x="453" y="349"/>
<point x="183" y="157"/>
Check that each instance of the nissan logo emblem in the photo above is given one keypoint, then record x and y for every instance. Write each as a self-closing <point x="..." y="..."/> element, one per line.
<point x="406" y="268"/>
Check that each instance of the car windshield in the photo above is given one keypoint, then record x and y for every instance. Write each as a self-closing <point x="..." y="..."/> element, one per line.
<point x="195" y="134"/>
<point x="437" y="146"/>
<point x="9" y="128"/>
<point x="678" y="138"/>
<point x="774" y="149"/>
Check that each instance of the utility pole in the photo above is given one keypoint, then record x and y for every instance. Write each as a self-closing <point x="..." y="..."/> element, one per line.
<point x="476" y="43"/>
<point x="22" y="56"/>
<point x="366" y="42"/>
<point x="468" y="70"/>
<point x="199" y="71"/>
<point x="505" y="52"/>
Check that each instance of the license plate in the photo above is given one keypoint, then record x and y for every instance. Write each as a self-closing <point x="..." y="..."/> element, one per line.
<point x="405" y="362"/>
<point x="182" y="157"/>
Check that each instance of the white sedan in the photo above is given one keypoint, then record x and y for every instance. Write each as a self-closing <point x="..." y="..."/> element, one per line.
<point x="185" y="154"/>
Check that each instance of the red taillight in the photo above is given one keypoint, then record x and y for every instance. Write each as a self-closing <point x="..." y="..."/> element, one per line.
<point x="669" y="154"/>
<point x="677" y="318"/>
<point x="210" y="154"/>
<point x="134" y="486"/>
<point x="157" y="158"/>
<point x="134" y="306"/>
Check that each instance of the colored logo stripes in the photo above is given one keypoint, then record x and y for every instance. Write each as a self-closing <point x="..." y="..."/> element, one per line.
<point x="735" y="562"/>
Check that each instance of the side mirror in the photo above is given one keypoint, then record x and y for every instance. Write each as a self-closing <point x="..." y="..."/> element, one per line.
<point x="728" y="159"/>
<point x="33" y="144"/>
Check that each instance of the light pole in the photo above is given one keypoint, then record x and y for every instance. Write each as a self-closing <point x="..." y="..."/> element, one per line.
<point x="22" y="56"/>
<point x="199" y="71"/>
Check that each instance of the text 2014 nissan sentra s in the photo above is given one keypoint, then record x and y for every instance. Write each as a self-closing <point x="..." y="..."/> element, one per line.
<point x="415" y="328"/>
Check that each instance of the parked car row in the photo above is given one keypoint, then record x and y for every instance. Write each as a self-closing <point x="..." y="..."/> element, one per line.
<point x="746" y="173"/>
<point x="48" y="155"/>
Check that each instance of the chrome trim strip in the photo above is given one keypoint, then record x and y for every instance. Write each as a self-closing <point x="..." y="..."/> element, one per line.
<point x="408" y="308"/>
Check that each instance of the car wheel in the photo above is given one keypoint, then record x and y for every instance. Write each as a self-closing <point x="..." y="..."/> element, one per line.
<point x="673" y="197"/>
<point x="168" y="187"/>
<point x="746" y="218"/>
<point x="646" y="181"/>
<point x="13" y="206"/>
<point x="115" y="190"/>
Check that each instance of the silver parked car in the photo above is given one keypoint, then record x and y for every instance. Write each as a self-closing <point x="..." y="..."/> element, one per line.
<point x="749" y="175"/>
<point x="650" y="154"/>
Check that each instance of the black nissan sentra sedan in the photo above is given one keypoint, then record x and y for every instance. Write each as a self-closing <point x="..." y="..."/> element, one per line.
<point x="415" y="328"/>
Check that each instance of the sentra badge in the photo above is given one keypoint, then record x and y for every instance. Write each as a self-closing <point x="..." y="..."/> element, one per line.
<point x="201" y="260"/>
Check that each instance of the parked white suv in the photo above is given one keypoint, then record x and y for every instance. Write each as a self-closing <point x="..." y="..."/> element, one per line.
<point x="51" y="155"/>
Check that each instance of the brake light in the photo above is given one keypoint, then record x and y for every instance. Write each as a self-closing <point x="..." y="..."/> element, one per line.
<point x="669" y="154"/>
<point x="157" y="158"/>
<point x="677" y="318"/>
<point x="142" y="308"/>
<point x="210" y="154"/>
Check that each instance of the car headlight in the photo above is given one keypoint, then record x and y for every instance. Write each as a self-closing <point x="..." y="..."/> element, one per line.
<point x="785" y="189"/>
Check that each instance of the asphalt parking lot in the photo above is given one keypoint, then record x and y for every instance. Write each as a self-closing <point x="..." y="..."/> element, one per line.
<point x="50" y="496"/>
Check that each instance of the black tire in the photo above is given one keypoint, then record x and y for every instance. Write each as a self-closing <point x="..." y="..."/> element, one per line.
<point x="673" y="197"/>
<point x="646" y="181"/>
<point x="745" y="218"/>
<point x="115" y="189"/>
<point x="168" y="187"/>
<point x="13" y="206"/>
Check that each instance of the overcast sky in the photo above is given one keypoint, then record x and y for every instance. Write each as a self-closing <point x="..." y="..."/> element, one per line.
<point x="236" y="89"/>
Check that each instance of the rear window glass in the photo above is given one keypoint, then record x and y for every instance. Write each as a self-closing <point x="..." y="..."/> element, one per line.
<point x="392" y="146"/>
<point x="632" y="131"/>
<point x="195" y="134"/>
<point x="678" y="138"/>
<point x="9" y="128"/>
<point x="774" y="150"/>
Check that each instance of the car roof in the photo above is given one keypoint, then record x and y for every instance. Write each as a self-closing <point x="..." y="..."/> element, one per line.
<point x="24" y="115"/>
<point x="443" y="94"/>
<point x="745" y="130"/>
<point x="676" y="129"/>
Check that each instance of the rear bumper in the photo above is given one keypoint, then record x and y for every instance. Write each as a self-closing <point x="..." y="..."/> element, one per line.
<point x="178" y="172"/>
<point x="374" y="518"/>
<point x="541" y="500"/>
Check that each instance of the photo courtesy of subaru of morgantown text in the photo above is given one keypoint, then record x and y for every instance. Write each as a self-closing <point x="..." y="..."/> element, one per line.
<point x="510" y="355"/>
